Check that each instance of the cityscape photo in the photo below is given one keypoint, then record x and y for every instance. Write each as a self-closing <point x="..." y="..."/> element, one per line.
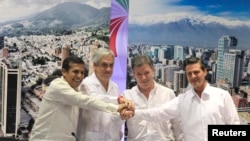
<point x="33" y="46"/>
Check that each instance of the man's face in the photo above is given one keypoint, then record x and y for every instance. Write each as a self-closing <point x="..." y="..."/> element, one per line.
<point x="144" y="76"/>
<point x="74" y="75"/>
<point x="195" y="75"/>
<point x="104" y="68"/>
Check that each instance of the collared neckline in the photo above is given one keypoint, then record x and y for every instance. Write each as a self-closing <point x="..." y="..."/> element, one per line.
<point x="97" y="82"/>
<point x="204" y="94"/>
<point x="152" y="91"/>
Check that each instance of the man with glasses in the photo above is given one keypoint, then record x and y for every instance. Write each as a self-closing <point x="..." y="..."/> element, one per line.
<point x="96" y="125"/>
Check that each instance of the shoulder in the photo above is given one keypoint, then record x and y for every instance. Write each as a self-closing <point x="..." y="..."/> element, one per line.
<point x="217" y="93"/>
<point x="186" y="95"/>
<point x="112" y="83"/>
<point x="57" y="83"/>
<point x="130" y="92"/>
<point x="88" y="79"/>
<point x="213" y="89"/>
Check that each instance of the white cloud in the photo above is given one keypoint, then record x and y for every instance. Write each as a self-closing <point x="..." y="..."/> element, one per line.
<point x="176" y="16"/>
<point x="13" y="9"/>
<point x="99" y="4"/>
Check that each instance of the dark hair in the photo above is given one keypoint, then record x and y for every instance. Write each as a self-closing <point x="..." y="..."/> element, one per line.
<point x="71" y="60"/>
<point x="57" y="72"/>
<point x="194" y="60"/>
<point x="139" y="60"/>
<point x="49" y="79"/>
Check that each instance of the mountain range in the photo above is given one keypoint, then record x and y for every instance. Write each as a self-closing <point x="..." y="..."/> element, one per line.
<point x="188" y="31"/>
<point x="183" y="30"/>
<point x="63" y="15"/>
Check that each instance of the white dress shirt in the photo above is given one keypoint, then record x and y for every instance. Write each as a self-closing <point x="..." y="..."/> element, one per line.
<point x="56" y="121"/>
<point x="96" y="125"/>
<point x="214" y="107"/>
<point x="143" y="130"/>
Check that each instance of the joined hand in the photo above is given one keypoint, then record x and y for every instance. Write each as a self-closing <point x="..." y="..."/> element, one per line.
<point x="126" y="108"/>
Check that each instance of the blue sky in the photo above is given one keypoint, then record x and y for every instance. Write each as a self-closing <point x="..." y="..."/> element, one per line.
<point x="230" y="9"/>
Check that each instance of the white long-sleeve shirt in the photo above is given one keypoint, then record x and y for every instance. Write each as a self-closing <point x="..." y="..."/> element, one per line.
<point x="143" y="130"/>
<point x="56" y="121"/>
<point x="97" y="125"/>
<point x="214" y="107"/>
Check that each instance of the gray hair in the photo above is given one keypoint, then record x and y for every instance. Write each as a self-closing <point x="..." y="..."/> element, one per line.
<point x="100" y="53"/>
<point x="140" y="60"/>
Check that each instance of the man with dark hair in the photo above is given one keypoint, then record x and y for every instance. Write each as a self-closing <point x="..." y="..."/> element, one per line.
<point x="198" y="107"/>
<point x="56" y="119"/>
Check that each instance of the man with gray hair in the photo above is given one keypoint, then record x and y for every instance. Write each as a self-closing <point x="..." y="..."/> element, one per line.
<point x="95" y="125"/>
<point x="147" y="94"/>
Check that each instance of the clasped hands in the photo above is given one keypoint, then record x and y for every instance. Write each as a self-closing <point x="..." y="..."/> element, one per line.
<point x="126" y="108"/>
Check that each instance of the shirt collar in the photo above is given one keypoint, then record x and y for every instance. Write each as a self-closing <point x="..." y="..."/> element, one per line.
<point x="154" y="89"/>
<point x="204" y="93"/>
<point x="97" y="81"/>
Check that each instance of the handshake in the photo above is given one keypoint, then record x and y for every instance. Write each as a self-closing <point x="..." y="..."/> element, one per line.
<point x="126" y="108"/>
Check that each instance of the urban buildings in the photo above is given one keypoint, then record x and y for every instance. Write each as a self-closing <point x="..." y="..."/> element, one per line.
<point x="10" y="98"/>
<point x="39" y="56"/>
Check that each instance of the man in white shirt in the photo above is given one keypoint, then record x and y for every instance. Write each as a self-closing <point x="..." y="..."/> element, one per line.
<point x="198" y="107"/>
<point x="97" y="125"/>
<point x="55" y="121"/>
<point x="147" y="94"/>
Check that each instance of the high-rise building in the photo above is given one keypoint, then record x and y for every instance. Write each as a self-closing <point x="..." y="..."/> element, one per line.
<point x="65" y="52"/>
<point x="179" y="53"/>
<point x="248" y="68"/>
<point x="159" y="68"/>
<point x="10" y="99"/>
<point x="170" y="52"/>
<point x="224" y="44"/>
<point x="169" y="74"/>
<point x="1" y="42"/>
<point x="233" y="67"/>
<point x="180" y="81"/>
<point x="155" y="51"/>
<point x="213" y="72"/>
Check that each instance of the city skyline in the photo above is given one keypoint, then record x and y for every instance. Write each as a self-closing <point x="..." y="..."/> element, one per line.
<point x="80" y="41"/>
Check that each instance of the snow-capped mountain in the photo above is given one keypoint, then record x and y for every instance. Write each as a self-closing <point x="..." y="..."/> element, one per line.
<point x="177" y="29"/>
<point x="193" y="18"/>
<point x="187" y="30"/>
<point x="64" y="15"/>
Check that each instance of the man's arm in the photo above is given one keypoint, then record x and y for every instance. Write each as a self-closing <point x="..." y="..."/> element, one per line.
<point x="167" y="111"/>
<point x="88" y="89"/>
<point x="230" y="112"/>
<point x="59" y="91"/>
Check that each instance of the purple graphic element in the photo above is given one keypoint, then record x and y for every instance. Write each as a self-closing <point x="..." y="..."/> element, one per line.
<point x="121" y="42"/>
